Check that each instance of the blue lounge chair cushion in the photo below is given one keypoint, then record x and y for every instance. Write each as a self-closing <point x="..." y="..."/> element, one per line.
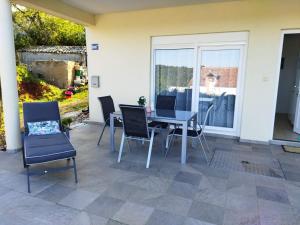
<point x="44" y="148"/>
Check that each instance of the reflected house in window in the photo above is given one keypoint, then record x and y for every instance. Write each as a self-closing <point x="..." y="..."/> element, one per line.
<point x="214" y="82"/>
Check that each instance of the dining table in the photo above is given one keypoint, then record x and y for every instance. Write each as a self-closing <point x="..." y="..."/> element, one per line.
<point x="176" y="117"/>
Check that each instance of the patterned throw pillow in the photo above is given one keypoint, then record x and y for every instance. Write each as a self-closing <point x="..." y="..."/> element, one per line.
<point x="43" y="127"/>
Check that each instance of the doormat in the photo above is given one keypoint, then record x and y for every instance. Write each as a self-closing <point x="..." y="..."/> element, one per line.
<point x="246" y="162"/>
<point x="291" y="149"/>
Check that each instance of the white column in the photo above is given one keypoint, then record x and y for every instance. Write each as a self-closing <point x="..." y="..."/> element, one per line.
<point x="8" y="78"/>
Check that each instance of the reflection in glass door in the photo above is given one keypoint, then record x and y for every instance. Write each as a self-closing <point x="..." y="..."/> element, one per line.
<point x="174" y="75"/>
<point x="219" y="69"/>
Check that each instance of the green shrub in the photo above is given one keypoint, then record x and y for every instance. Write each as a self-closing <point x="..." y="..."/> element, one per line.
<point x="32" y="88"/>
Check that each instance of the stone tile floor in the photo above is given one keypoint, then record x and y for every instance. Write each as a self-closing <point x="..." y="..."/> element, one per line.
<point x="167" y="193"/>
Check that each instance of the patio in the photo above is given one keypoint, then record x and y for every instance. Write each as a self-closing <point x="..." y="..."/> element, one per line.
<point x="166" y="193"/>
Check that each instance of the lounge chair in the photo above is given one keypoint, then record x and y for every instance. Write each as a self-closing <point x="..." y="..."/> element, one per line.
<point x="45" y="148"/>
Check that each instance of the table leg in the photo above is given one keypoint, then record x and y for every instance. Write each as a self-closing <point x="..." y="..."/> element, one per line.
<point x="184" y="143"/>
<point x="112" y="132"/>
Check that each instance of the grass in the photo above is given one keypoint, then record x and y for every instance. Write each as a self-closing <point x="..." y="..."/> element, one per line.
<point x="78" y="102"/>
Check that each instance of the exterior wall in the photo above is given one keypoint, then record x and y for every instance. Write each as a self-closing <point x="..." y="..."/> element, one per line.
<point x="58" y="73"/>
<point x="29" y="57"/>
<point x="124" y="59"/>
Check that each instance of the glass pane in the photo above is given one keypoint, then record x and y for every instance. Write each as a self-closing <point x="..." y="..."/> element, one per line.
<point x="218" y="84"/>
<point x="173" y="75"/>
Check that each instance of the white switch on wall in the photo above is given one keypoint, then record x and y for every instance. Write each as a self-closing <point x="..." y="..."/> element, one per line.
<point x="95" y="81"/>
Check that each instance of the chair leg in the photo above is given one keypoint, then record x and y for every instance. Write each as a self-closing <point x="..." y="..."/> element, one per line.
<point x="170" y="143"/>
<point x="167" y="141"/>
<point x="150" y="150"/>
<point x="199" y="138"/>
<point x="121" y="147"/>
<point x="129" y="147"/>
<point x="206" y="143"/>
<point x="101" y="134"/>
<point x="75" y="170"/>
<point x="28" y="179"/>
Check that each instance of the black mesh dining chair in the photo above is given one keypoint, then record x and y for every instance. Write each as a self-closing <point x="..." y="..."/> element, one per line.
<point x="164" y="102"/>
<point x="107" y="105"/>
<point x="135" y="127"/>
<point x="193" y="133"/>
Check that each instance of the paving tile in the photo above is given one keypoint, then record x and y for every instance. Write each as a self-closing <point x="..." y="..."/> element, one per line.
<point x="269" y="182"/>
<point x="207" y="212"/>
<point x="83" y="218"/>
<point x="212" y="196"/>
<point x="190" y="178"/>
<point x="273" y="213"/>
<point x="133" y="214"/>
<point x="192" y="221"/>
<point x="184" y="190"/>
<point x="34" y="209"/>
<point x="272" y="194"/>
<point x="105" y="206"/>
<point x="233" y="217"/>
<point x="241" y="203"/>
<point x="159" y="217"/>
<point x="152" y="183"/>
<point x="241" y="184"/>
<point x="144" y="197"/>
<point x="292" y="176"/>
<point x="55" y="193"/>
<point x="120" y="190"/>
<point x="114" y="222"/>
<point x="79" y="199"/>
<point x="174" y="204"/>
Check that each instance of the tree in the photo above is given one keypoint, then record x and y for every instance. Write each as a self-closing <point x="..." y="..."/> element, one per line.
<point x="33" y="27"/>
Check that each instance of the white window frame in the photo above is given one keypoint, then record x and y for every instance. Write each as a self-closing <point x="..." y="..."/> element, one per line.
<point x="198" y="42"/>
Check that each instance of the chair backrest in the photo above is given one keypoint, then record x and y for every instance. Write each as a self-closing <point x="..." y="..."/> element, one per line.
<point x="108" y="107"/>
<point x="208" y="112"/>
<point x="166" y="102"/>
<point x="135" y="122"/>
<point x="40" y="111"/>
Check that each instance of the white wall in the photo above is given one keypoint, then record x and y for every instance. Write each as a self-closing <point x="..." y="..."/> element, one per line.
<point x="123" y="61"/>
<point x="290" y="52"/>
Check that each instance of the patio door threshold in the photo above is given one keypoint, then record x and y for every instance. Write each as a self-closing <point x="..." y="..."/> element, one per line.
<point x="285" y="142"/>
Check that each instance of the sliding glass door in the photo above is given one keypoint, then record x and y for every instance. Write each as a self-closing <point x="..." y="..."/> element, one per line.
<point x="219" y="71"/>
<point x="200" y="72"/>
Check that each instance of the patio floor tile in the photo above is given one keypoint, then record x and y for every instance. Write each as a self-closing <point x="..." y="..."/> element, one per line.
<point x="192" y="221"/>
<point x="133" y="214"/>
<point x="233" y="217"/>
<point x="212" y="196"/>
<point x="55" y="193"/>
<point x="273" y="213"/>
<point x="105" y="206"/>
<point x="174" y="204"/>
<point x="207" y="212"/>
<point x="272" y="194"/>
<point x="184" y="190"/>
<point x="84" y="218"/>
<point x="79" y="199"/>
<point x="190" y="178"/>
<point x="159" y="217"/>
